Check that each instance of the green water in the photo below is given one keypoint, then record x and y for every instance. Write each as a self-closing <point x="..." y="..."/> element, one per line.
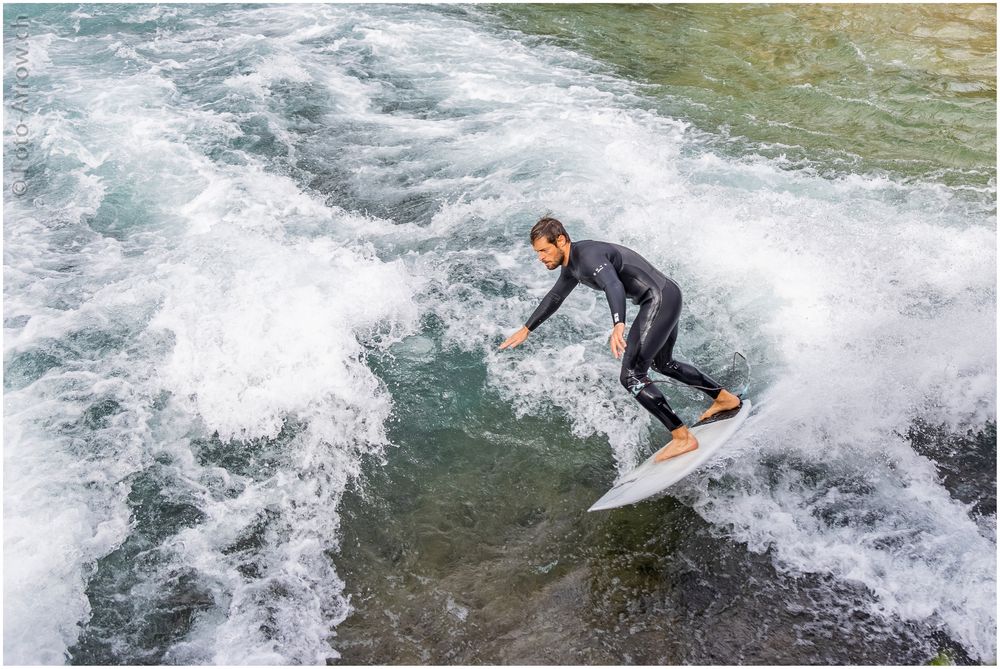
<point x="472" y="545"/>
<point x="909" y="89"/>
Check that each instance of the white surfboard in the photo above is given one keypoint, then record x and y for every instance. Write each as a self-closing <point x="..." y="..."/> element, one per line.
<point x="652" y="477"/>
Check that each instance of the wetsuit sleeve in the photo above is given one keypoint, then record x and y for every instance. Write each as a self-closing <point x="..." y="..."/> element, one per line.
<point x="615" y="292"/>
<point x="606" y="276"/>
<point x="552" y="300"/>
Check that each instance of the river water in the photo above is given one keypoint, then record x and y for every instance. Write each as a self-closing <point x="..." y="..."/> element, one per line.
<point x="254" y="406"/>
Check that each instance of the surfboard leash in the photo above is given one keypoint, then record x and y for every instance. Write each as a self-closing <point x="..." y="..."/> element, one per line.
<point x="743" y="390"/>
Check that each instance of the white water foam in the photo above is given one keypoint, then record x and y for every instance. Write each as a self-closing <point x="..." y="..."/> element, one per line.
<point x="841" y="292"/>
<point x="247" y="326"/>
<point x="864" y="302"/>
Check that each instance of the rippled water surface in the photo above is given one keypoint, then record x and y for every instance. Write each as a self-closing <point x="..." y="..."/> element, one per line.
<point x="254" y="410"/>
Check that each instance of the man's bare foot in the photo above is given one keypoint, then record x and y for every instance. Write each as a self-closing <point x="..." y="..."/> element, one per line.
<point x="724" y="402"/>
<point x="683" y="442"/>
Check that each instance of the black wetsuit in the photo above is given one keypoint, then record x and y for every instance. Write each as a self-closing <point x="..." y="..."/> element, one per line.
<point x="621" y="272"/>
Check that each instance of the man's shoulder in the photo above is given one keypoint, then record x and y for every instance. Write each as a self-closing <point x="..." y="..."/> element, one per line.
<point x="591" y="244"/>
<point x="596" y="246"/>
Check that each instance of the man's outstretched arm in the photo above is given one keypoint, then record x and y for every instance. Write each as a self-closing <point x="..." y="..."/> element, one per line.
<point x="515" y="339"/>
<point x="548" y="306"/>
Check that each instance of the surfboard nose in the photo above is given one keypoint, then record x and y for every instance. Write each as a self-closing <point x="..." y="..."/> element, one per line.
<point x="651" y="477"/>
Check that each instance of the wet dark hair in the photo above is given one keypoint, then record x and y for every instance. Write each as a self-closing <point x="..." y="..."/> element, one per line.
<point x="550" y="229"/>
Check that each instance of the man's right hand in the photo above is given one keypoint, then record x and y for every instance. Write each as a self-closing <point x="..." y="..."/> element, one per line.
<point x="515" y="338"/>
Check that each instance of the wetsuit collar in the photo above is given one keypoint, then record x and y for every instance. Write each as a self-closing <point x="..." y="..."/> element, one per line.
<point x="569" y="247"/>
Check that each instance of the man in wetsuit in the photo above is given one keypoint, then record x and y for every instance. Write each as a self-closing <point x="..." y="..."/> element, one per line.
<point x="621" y="272"/>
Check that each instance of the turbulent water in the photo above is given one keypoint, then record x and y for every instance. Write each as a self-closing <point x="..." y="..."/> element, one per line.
<point x="258" y="260"/>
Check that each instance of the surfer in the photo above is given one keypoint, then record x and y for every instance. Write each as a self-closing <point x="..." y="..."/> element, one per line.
<point x="621" y="272"/>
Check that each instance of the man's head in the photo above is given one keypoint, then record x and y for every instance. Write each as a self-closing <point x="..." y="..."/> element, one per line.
<point x="550" y="241"/>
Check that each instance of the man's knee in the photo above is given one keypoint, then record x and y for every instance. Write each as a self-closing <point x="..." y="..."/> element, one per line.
<point x="666" y="367"/>
<point x="671" y="366"/>
<point x="634" y="383"/>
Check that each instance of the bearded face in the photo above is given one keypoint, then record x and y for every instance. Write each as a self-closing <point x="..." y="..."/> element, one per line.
<point x="549" y="254"/>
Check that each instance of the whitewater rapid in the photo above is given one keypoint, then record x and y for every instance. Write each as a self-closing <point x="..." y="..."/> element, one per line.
<point x="234" y="207"/>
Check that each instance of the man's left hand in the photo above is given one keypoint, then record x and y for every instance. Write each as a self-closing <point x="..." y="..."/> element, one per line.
<point x="618" y="340"/>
